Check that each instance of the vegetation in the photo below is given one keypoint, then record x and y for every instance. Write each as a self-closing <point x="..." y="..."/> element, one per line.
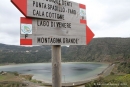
<point x="36" y="81"/>
<point x="13" y="79"/>
<point x="113" y="50"/>
<point x="124" y="67"/>
<point x="100" y="50"/>
<point x="10" y="84"/>
<point x="10" y="79"/>
<point x="111" y="81"/>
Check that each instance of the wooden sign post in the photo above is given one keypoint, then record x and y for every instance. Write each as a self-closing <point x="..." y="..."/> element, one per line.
<point x="56" y="23"/>
<point x="56" y="66"/>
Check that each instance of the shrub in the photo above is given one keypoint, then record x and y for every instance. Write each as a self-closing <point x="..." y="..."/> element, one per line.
<point x="112" y="73"/>
<point x="16" y="74"/>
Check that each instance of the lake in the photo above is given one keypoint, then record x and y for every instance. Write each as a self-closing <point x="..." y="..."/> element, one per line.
<point x="71" y="72"/>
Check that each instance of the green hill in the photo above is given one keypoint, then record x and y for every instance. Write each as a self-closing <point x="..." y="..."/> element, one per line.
<point x="100" y="49"/>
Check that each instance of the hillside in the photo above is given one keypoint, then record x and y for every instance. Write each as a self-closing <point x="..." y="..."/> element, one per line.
<point x="100" y="49"/>
<point x="115" y="50"/>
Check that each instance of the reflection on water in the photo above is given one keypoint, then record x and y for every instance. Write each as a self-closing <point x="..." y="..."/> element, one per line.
<point x="70" y="71"/>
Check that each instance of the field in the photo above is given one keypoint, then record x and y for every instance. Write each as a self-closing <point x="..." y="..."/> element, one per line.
<point x="111" y="81"/>
<point x="13" y="79"/>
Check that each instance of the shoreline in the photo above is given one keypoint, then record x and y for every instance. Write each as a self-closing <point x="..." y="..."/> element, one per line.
<point x="50" y="62"/>
<point x="77" y="82"/>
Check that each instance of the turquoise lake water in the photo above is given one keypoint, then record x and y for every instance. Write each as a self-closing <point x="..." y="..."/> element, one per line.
<point x="70" y="71"/>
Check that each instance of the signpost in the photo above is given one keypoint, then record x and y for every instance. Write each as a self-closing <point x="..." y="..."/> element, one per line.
<point x="50" y="32"/>
<point x="56" y="23"/>
<point x="52" y="9"/>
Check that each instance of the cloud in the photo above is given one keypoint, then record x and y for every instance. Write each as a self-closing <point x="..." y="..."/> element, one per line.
<point x="9" y="23"/>
<point x="109" y="18"/>
<point x="117" y="12"/>
<point x="106" y="18"/>
<point x="8" y="39"/>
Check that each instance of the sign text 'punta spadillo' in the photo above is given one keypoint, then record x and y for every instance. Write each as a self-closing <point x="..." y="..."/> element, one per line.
<point x="52" y="9"/>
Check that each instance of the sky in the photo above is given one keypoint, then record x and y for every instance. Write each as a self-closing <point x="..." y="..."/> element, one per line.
<point x="106" y="18"/>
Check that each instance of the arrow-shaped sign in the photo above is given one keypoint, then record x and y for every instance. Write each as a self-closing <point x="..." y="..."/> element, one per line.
<point x="89" y="35"/>
<point x="48" y="32"/>
<point x="49" y="9"/>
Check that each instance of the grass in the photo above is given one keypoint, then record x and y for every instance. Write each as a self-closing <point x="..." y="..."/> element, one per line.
<point x="36" y="81"/>
<point x="7" y="77"/>
<point x="13" y="79"/>
<point x="2" y="77"/>
<point x="111" y="77"/>
<point x="27" y="77"/>
<point x="119" y="78"/>
<point x="115" y="79"/>
<point x="10" y="84"/>
<point x="111" y="81"/>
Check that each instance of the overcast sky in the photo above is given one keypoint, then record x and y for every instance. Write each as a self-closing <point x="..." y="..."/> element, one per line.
<point x="106" y="18"/>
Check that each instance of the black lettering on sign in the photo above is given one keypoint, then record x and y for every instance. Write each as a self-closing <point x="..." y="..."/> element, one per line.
<point x="26" y="35"/>
<point x="38" y="40"/>
<point x="49" y="7"/>
<point x="66" y="3"/>
<point x="39" y="4"/>
<point x="50" y="15"/>
<point x="68" y="25"/>
<point x="70" y="40"/>
<point x="57" y="2"/>
<point x="54" y="1"/>
<point x="46" y="14"/>
<point x="60" y="24"/>
<point x="54" y="15"/>
<point x="49" y="40"/>
<point x="60" y="16"/>
<point x="41" y="40"/>
<point x="64" y="25"/>
<point x="71" y="11"/>
<point x="38" y="13"/>
<point x="51" y="24"/>
<point x="42" y="23"/>
<point x="63" y="40"/>
<point x="45" y="40"/>
<point x="55" y="40"/>
<point x="56" y="8"/>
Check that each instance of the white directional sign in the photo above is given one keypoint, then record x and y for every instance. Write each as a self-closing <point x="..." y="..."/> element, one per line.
<point x="48" y="32"/>
<point x="53" y="22"/>
<point x="52" y="9"/>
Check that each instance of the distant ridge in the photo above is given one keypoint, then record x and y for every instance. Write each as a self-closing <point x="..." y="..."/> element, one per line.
<point x="107" y="49"/>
